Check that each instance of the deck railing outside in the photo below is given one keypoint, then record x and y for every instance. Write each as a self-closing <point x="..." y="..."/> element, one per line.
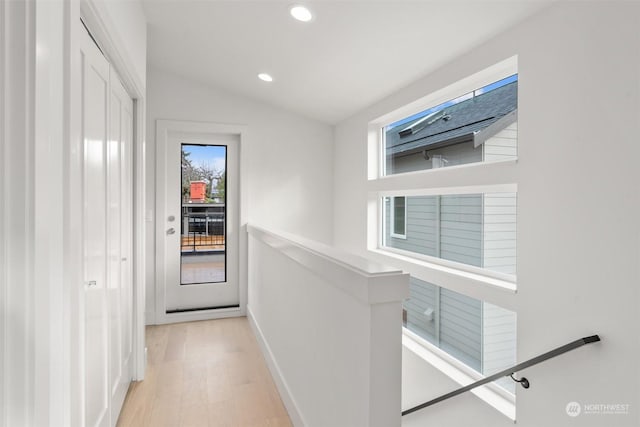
<point x="203" y="232"/>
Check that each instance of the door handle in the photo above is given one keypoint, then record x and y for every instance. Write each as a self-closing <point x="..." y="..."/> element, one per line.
<point x="92" y="283"/>
<point x="171" y="231"/>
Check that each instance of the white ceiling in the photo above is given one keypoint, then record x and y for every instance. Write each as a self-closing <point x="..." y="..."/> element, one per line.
<point x="352" y="54"/>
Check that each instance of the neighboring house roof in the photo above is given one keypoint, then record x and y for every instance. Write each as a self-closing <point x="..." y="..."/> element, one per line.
<point x="475" y="119"/>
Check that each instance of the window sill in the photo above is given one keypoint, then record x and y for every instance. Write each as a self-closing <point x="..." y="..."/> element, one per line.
<point x="495" y="176"/>
<point x="437" y="268"/>
<point x="398" y="236"/>
<point x="493" y="395"/>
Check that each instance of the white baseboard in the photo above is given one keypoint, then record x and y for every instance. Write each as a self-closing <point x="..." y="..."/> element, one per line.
<point x="288" y="400"/>
<point x="197" y="315"/>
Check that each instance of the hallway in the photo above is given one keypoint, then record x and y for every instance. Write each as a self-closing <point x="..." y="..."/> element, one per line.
<point x="204" y="374"/>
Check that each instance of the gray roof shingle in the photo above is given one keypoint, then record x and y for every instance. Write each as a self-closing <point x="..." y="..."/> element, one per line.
<point x="466" y="117"/>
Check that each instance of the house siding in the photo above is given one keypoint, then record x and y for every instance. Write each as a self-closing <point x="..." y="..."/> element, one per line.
<point x="499" y="249"/>
<point x="503" y="145"/>
<point x="449" y="227"/>
<point x="421" y="226"/>
<point x="499" y="342"/>
<point x="461" y="228"/>
<point x="455" y="155"/>
<point x="461" y="327"/>
<point x="456" y="327"/>
<point x="499" y="232"/>
<point x="423" y="297"/>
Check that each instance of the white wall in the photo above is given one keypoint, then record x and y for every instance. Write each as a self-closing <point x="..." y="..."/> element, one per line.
<point x="286" y="160"/>
<point x="578" y="207"/>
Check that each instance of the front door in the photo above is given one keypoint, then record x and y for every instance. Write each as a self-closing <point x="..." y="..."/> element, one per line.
<point x="199" y="231"/>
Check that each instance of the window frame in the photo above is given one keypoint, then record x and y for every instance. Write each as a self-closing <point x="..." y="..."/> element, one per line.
<point x="392" y="218"/>
<point x="496" y="278"/>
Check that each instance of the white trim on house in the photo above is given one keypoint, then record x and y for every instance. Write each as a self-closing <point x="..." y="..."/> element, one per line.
<point x="392" y="216"/>
<point x="493" y="129"/>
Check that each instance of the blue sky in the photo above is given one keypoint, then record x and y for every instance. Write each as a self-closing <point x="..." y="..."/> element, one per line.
<point x="207" y="155"/>
<point x="466" y="96"/>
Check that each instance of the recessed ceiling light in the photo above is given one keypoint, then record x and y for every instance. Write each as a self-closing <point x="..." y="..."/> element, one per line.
<point x="265" y="77"/>
<point x="301" y="13"/>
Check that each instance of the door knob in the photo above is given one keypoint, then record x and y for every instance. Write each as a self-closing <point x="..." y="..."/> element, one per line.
<point x="171" y="231"/>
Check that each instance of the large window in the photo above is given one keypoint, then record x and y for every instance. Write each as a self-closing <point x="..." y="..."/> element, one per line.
<point x="446" y="192"/>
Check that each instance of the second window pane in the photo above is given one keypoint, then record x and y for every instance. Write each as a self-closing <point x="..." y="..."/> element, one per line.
<point x="473" y="229"/>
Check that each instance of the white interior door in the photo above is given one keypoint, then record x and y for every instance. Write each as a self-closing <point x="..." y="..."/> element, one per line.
<point x="199" y="214"/>
<point x="107" y="118"/>
<point x="95" y="110"/>
<point x="119" y="242"/>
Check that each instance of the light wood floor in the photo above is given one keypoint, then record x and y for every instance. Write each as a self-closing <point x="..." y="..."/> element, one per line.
<point x="208" y="373"/>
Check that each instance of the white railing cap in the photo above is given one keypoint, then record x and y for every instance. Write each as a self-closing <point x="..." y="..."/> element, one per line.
<point x="370" y="281"/>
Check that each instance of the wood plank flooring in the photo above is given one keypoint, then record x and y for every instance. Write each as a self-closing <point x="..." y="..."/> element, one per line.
<point x="204" y="374"/>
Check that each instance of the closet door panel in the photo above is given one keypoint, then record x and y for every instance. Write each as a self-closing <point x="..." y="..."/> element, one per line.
<point x="95" y="99"/>
<point x="107" y="123"/>
<point x="119" y="243"/>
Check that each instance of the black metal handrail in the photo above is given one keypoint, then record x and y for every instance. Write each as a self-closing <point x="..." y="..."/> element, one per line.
<point x="509" y="372"/>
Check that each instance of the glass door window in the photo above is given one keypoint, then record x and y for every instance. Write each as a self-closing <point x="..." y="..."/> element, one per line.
<point x="203" y="241"/>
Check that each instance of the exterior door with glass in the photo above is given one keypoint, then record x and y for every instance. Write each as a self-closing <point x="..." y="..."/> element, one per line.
<point x="198" y="219"/>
